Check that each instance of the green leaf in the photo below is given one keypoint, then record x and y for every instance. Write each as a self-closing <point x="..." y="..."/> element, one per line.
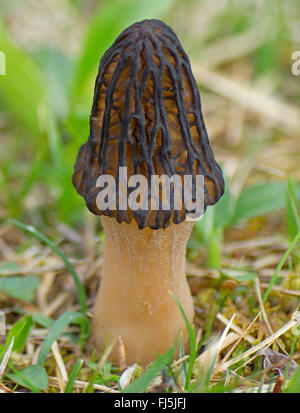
<point x="217" y="216"/>
<point x="292" y="214"/>
<point x="209" y="229"/>
<point x="294" y="382"/>
<point x="27" y="95"/>
<point x="266" y="58"/>
<point x="239" y="274"/>
<point x="205" y="226"/>
<point x="224" y="209"/>
<point x="33" y="378"/>
<point x="211" y="236"/>
<point x="23" y="88"/>
<point x="141" y="384"/>
<point x="57" y="69"/>
<point x="21" y="288"/>
<point x="71" y="317"/>
<point x="20" y="331"/>
<point x="260" y="199"/>
<point x="8" y="267"/>
<point x="42" y="320"/>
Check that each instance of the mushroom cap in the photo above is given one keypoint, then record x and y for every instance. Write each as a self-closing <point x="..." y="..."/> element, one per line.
<point x="146" y="116"/>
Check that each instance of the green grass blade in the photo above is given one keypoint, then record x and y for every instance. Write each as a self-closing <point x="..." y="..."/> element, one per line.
<point x="42" y="320"/>
<point x="141" y="384"/>
<point x="286" y="374"/>
<point x="192" y="342"/>
<point x="292" y="214"/>
<point x="80" y="290"/>
<point x="214" y="248"/>
<point x="60" y="324"/>
<point x="183" y="365"/>
<point x="74" y="373"/>
<point x="20" y="331"/>
<point x="280" y="265"/>
<point x="223" y="211"/>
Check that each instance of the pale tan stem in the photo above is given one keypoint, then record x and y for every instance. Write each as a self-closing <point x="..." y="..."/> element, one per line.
<point x="134" y="303"/>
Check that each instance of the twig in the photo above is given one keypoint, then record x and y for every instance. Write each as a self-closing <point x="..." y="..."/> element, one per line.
<point x="267" y="342"/>
<point x="6" y="358"/>
<point x="263" y="312"/>
<point x="239" y="340"/>
<point x="122" y="354"/>
<point x="40" y="270"/>
<point x="281" y="290"/>
<point x="231" y="338"/>
<point x="79" y="384"/>
<point x="286" y="116"/>
<point x="235" y="328"/>
<point x="59" y="361"/>
<point x="55" y="304"/>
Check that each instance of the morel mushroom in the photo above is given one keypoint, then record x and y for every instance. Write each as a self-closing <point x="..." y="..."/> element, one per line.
<point x="146" y="117"/>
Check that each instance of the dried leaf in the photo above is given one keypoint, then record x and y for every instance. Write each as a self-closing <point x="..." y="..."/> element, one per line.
<point x="277" y="362"/>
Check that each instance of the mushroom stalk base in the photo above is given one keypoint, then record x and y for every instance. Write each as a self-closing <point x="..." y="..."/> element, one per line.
<point x="140" y="269"/>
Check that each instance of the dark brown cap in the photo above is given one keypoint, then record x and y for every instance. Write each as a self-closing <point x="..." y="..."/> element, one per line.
<point x="146" y="116"/>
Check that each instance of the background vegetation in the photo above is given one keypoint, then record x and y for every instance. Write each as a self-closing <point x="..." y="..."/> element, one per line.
<point x="243" y="256"/>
